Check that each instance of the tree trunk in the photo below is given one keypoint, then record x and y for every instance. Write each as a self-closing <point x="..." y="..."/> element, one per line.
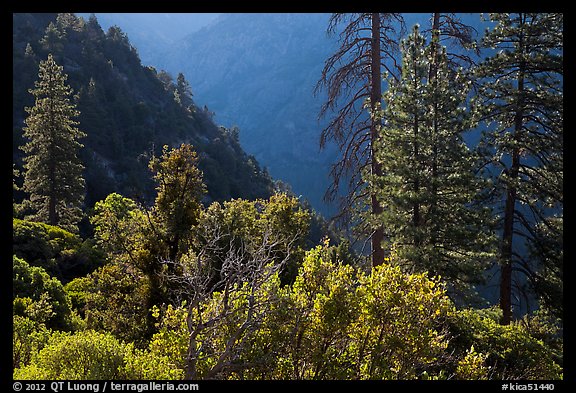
<point x="376" y="168"/>
<point x="416" y="206"/>
<point x="52" y="216"/>
<point x="432" y="76"/>
<point x="52" y="201"/>
<point x="506" y="252"/>
<point x="435" y="46"/>
<point x="510" y="208"/>
<point x="416" y="126"/>
<point x="507" y="238"/>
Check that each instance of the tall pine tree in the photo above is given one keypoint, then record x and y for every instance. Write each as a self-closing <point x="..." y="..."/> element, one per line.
<point x="429" y="187"/>
<point x="53" y="172"/>
<point x="369" y="44"/>
<point x="521" y="101"/>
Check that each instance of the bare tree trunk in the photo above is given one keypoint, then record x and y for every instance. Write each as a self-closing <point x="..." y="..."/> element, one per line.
<point x="376" y="168"/>
<point x="506" y="252"/>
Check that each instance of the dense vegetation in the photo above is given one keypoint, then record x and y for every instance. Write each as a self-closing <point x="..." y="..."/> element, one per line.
<point x="191" y="266"/>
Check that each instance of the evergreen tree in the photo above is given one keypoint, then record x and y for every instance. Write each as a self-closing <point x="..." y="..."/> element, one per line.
<point x="53" y="40"/>
<point x="68" y="21"/>
<point x="369" y="44"/>
<point x="178" y="202"/>
<point x="29" y="52"/>
<point x="53" y="172"/>
<point x="521" y="101"/>
<point x="429" y="189"/>
<point x="183" y="92"/>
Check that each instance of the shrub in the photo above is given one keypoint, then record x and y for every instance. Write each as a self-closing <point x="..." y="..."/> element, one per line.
<point x="28" y="337"/>
<point x="511" y="351"/>
<point x="61" y="253"/>
<point x="83" y="355"/>
<point x="34" y="283"/>
<point x="113" y="299"/>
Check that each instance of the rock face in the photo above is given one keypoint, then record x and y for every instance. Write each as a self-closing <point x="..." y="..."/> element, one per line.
<point x="258" y="71"/>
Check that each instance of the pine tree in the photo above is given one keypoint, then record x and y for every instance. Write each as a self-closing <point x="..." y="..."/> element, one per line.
<point x="183" y="92"/>
<point x="53" y="40"/>
<point x="521" y="100"/>
<point x="352" y="78"/>
<point x="429" y="188"/>
<point x="53" y="172"/>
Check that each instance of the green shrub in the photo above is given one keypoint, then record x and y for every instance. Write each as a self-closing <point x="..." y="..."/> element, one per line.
<point x="472" y="366"/>
<point x="62" y="254"/>
<point x="34" y="283"/>
<point x="146" y="365"/>
<point x="337" y="322"/>
<point x="83" y="355"/>
<point x="334" y="322"/>
<point x="511" y="351"/>
<point x="28" y="337"/>
<point x="113" y="299"/>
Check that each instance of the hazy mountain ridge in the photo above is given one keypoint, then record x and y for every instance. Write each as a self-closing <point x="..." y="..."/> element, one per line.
<point x="152" y="33"/>
<point x="258" y="71"/>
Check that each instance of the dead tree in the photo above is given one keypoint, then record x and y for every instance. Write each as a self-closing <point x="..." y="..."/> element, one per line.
<point x="246" y="267"/>
<point x="352" y="76"/>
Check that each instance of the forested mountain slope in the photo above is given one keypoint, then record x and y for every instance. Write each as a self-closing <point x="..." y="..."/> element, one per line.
<point x="151" y="33"/>
<point x="128" y="110"/>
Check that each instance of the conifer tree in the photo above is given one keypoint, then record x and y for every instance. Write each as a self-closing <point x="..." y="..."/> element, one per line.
<point x="521" y="101"/>
<point x="180" y="190"/>
<point x="53" y="171"/>
<point x="429" y="188"/>
<point x="352" y="77"/>
<point x="183" y="92"/>
<point x="53" y="40"/>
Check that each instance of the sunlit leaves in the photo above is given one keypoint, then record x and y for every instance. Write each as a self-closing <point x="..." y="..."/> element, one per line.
<point x="334" y="322"/>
